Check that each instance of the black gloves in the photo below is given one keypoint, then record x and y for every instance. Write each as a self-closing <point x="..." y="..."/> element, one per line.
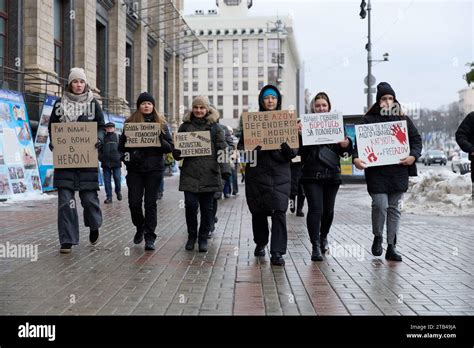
<point x="51" y="146"/>
<point x="98" y="144"/>
<point x="177" y="154"/>
<point x="286" y="150"/>
<point x="258" y="148"/>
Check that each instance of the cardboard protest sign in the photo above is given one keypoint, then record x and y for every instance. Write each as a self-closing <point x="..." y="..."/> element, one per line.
<point x="193" y="144"/>
<point x="381" y="144"/>
<point x="146" y="134"/>
<point x="270" y="129"/>
<point x="323" y="128"/>
<point x="74" y="145"/>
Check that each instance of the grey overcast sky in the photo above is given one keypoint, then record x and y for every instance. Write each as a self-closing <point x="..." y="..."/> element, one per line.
<point x="429" y="43"/>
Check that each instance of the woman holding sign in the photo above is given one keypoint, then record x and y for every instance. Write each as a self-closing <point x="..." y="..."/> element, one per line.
<point x="200" y="174"/>
<point x="321" y="178"/>
<point x="145" y="167"/>
<point x="267" y="187"/>
<point x="77" y="104"/>
<point x="387" y="183"/>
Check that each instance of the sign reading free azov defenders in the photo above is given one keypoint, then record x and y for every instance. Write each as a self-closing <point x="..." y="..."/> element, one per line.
<point x="74" y="145"/>
<point x="142" y="134"/>
<point x="193" y="144"/>
<point x="270" y="129"/>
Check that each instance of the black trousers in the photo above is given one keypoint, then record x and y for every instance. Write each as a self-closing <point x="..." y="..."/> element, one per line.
<point x="279" y="238"/>
<point x="204" y="201"/>
<point x="144" y="186"/>
<point x="321" y="199"/>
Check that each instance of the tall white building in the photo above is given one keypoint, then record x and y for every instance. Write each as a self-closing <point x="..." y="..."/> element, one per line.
<point x="244" y="54"/>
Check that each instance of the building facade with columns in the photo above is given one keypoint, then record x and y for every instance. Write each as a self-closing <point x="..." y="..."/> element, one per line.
<point x="466" y="100"/>
<point x="125" y="47"/>
<point x="244" y="53"/>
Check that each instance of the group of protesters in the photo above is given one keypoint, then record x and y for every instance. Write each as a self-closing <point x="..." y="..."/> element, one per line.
<point x="277" y="179"/>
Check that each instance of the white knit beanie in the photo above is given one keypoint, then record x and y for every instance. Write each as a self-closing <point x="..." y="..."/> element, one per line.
<point x="77" y="74"/>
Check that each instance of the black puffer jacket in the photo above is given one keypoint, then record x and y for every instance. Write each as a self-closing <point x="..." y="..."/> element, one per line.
<point x="83" y="178"/>
<point x="295" y="177"/>
<point x="146" y="159"/>
<point x="465" y="135"/>
<point x="202" y="173"/>
<point x="268" y="184"/>
<point x="109" y="155"/>
<point x="391" y="178"/>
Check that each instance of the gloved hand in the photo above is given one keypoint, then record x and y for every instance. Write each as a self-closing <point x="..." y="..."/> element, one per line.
<point x="177" y="154"/>
<point x="51" y="146"/>
<point x="258" y="148"/>
<point x="286" y="150"/>
<point x="98" y="144"/>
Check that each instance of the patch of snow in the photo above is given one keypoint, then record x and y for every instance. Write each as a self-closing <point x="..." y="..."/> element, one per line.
<point x="27" y="197"/>
<point x="441" y="193"/>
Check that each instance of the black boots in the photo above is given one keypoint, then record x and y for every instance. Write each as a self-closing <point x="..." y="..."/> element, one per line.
<point x="259" y="251"/>
<point x="377" y="246"/>
<point x="316" y="253"/>
<point x="65" y="248"/>
<point x="138" y="238"/>
<point x="300" y="213"/>
<point x="277" y="259"/>
<point x="93" y="236"/>
<point x="149" y="245"/>
<point x="202" y="246"/>
<point x="323" y="242"/>
<point x="119" y="196"/>
<point x="190" y="243"/>
<point x="392" y="253"/>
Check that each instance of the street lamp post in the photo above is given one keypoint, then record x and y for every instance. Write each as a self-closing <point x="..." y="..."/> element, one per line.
<point x="370" y="80"/>
<point x="279" y="28"/>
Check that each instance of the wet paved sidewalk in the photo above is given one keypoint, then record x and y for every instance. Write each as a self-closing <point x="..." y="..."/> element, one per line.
<point x="117" y="277"/>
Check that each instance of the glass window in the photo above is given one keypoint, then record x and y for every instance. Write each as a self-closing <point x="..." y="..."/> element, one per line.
<point x="58" y="36"/>
<point x="272" y="74"/>
<point x="245" y="85"/>
<point x="245" y="100"/>
<point x="220" y="86"/>
<point x="272" y="50"/>
<point x="195" y="73"/>
<point x="211" y="99"/>
<point x="210" y="85"/>
<point x="245" y="51"/>
<point x="195" y="59"/>
<point x="260" y="84"/>
<point x="220" y="100"/>
<point x="235" y="86"/>
<point x="220" y="73"/>
<point x="186" y="101"/>
<point x="236" y="100"/>
<point x="260" y="50"/>
<point x="235" y="73"/>
<point x="260" y="71"/>
<point x="236" y="113"/>
<point x="195" y="86"/>
<point x="186" y="86"/>
<point x="245" y="72"/>
<point x="210" y="73"/>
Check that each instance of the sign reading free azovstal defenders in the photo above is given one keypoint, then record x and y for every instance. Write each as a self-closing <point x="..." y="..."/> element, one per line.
<point x="74" y="145"/>
<point x="270" y="129"/>
<point x="381" y="144"/>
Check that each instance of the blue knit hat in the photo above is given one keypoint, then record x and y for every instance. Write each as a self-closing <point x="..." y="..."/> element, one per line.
<point x="269" y="91"/>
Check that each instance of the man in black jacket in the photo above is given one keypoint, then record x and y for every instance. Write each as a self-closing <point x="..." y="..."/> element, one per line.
<point x="465" y="140"/>
<point x="109" y="157"/>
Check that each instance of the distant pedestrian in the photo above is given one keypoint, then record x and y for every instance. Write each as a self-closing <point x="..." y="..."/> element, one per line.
<point x="109" y="157"/>
<point x="386" y="184"/>
<point x="465" y="140"/>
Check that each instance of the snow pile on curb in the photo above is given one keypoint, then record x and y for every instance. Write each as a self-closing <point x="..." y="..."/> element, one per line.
<point x="441" y="193"/>
<point x="27" y="197"/>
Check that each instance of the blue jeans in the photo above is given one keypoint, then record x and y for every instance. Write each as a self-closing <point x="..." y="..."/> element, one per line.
<point x="117" y="173"/>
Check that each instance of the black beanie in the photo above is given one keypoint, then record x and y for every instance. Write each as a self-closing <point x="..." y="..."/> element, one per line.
<point x="384" y="88"/>
<point x="145" y="97"/>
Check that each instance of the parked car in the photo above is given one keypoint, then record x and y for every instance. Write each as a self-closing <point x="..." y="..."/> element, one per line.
<point x="421" y="159"/>
<point x="461" y="164"/>
<point x="435" y="156"/>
